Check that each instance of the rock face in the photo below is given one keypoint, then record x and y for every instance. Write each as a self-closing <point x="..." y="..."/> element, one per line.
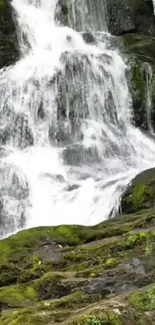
<point x="84" y="275"/>
<point x="120" y="16"/>
<point x="82" y="15"/>
<point x="8" y="39"/>
<point x="130" y="16"/>
<point x="140" y="51"/>
<point x="134" y="21"/>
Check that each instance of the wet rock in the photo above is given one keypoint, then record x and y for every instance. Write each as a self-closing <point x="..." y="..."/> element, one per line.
<point x="89" y="38"/>
<point x="79" y="104"/>
<point x="65" y="132"/>
<point x="81" y="15"/>
<point x="135" y="266"/>
<point x="55" y="178"/>
<point x="8" y="37"/>
<point x="107" y="287"/>
<point x="73" y="187"/>
<point x="14" y="194"/>
<point x="140" y="51"/>
<point x="16" y="132"/>
<point x="13" y="182"/>
<point x="142" y="46"/>
<point x="130" y="16"/>
<point x="119" y="16"/>
<point x="77" y="155"/>
<point x="72" y="91"/>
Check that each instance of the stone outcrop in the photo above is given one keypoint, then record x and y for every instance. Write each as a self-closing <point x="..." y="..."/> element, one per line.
<point x="140" y="53"/>
<point x="8" y="38"/>
<point x="130" y="16"/>
<point x="141" y="193"/>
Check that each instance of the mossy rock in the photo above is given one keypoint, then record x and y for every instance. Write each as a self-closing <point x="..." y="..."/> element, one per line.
<point x="77" y="274"/>
<point x="140" y="51"/>
<point x="83" y="275"/>
<point x="135" y="308"/>
<point x="141" y="193"/>
<point x="142" y="46"/>
<point x="32" y="253"/>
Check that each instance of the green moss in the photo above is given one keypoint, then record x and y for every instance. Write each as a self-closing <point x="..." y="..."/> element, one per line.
<point x="141" y="52"/>
<point x="142" y="46"/>
<point x="140" y="195"/>
<point x="20" y="263"/>
<point x="93" y="320"/>
<point x="138" y="92"/>
<point x="137" y="198"/>
<point x="144" y="300"/>
<point x="67" y="282"/>
<point x="50" y="286"/>
<point x="150" y="246"/>
<point x="2" y="4"/>
<point x="137" y="239"/>
<point x="105" y="255"/>
<point x="17" y="295"/>
<point x="138" y="78"/>
<point x="99" y="319"/>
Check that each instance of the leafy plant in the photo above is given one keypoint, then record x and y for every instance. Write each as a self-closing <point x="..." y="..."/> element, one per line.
<point x="93" y="320"/>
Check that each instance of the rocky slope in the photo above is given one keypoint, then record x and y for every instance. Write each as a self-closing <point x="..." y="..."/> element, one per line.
<point x="84" y="275"/>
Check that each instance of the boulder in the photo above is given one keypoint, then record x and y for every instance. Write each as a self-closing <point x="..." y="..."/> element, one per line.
<point x="8" y="37"/>
<point x="141" y="193"/>
<point x="126" y="16"/>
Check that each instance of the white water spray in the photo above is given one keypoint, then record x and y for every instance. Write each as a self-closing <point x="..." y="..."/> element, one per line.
<point x="68" y="147"/>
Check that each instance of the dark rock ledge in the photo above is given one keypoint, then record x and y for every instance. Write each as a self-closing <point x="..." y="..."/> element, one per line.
<point x="8" y="36"/>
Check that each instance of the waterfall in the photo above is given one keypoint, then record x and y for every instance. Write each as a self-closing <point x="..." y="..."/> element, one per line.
<point x="154" y="5"/>
<point x="68" y="147"/>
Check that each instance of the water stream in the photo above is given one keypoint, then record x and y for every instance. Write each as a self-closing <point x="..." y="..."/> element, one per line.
<point x="67" y="144"/>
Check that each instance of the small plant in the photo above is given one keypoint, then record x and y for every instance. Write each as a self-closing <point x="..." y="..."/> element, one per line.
<point x="93" y="320"/>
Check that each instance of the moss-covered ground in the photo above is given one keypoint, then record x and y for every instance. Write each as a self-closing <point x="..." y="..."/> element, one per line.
<point x="83" y="275"/>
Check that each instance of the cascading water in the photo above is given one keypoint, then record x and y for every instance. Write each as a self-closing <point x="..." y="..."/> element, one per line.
<point x="68" y="148"/>
<point x="154" y="5"/>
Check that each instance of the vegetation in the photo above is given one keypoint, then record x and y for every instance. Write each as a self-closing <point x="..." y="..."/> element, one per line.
<point x="84" y="275"/>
